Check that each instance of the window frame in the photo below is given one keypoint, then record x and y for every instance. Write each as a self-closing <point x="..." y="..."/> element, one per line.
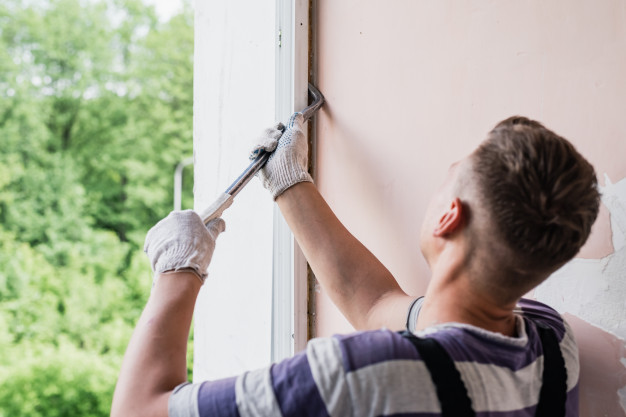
<point x="290" y="271"/>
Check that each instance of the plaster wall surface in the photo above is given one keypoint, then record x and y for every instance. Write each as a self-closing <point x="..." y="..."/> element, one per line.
<point x="233" y="102"/>
<point x="413" y="86"/>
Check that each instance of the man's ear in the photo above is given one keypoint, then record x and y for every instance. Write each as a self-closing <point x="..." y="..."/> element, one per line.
<point x="451" y="220"/>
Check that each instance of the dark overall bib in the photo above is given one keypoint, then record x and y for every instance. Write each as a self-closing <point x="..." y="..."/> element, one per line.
<point x="452" y="393"/>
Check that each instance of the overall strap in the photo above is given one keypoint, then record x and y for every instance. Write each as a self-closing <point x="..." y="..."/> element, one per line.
<point x="451" y="391"/>
<point x="553" y="392"/>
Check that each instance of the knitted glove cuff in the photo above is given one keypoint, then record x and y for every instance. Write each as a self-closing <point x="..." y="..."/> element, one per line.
<point x="289" y="162"/>
<point x="181" y="241"/>
<point x="193" y="270"/>
<point x="286" y="173"/>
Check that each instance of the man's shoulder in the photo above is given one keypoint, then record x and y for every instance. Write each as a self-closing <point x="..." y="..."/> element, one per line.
<point x="362" y="349"/>
<point x="528" y="305"/>
<point x="537" y="312"/>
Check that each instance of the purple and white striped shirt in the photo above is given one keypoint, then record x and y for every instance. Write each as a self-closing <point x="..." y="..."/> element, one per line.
<point x="380" y="373"/>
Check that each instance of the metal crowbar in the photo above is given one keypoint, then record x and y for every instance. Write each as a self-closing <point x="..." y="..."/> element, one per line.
<point x="225" y="199"/>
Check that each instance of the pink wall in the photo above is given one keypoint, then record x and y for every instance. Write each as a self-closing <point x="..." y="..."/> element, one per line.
<point x="412" y="86"/>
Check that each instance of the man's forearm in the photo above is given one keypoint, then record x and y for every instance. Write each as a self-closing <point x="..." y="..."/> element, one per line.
<point x="357" y="282"/>
<point x="155" y="360"/>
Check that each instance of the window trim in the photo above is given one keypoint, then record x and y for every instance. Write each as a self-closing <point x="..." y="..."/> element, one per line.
<point x="289" y="276"/>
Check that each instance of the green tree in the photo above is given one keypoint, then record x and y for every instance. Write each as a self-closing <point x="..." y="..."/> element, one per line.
<point x="95" y="113"/>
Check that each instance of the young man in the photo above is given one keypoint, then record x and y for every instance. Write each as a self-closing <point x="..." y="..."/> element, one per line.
<point x="506" y="217"/>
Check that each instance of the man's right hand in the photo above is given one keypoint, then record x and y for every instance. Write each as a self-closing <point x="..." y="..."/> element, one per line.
<point x="182" y="241"/>
<point x="288" y="165"/>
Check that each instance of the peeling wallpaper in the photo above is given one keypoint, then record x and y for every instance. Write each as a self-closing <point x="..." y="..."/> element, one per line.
<point x="594" y="290"/>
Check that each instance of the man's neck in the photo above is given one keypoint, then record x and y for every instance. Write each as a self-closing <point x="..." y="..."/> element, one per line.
<point x="451" y="298"/>
<point x="442" y="309"/>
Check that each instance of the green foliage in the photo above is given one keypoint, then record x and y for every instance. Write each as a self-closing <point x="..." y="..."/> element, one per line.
<point x="95" y="113"/>
<point x="58" y="381"/>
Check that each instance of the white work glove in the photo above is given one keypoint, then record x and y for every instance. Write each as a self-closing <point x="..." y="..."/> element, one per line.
<point x="182" y="241"/>
<point x="288" y="165"/>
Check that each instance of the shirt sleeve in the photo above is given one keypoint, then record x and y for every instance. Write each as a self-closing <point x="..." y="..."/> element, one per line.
<point x="183" y="401"/>
<point x="287" y="388"/>
<point x="214" y="398"/>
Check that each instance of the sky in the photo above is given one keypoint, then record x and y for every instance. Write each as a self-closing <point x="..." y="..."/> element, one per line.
<point x="166" y="8"/>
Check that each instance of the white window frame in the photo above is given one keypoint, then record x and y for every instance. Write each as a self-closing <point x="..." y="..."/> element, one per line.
<point x="234" y="330"/>
<point x="290" y="277"/>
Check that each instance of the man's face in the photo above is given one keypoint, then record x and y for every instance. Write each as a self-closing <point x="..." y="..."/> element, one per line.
<point x="437" y="207"/>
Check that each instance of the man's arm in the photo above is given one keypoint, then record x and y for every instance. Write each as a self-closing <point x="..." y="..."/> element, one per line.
<point x="155" y="360"/>
<point x="180" y="248"/>
<point x="362" y="288"/>
<point x="356" y="281"/>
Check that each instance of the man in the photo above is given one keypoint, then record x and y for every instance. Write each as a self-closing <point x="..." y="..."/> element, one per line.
<point x="506" y="217"/>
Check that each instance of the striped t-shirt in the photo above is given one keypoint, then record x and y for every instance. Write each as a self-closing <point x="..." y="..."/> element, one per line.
<point x="380" y="373"/>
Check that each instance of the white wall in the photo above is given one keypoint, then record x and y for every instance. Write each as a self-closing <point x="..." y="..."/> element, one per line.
<point x="234" y="92"/>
